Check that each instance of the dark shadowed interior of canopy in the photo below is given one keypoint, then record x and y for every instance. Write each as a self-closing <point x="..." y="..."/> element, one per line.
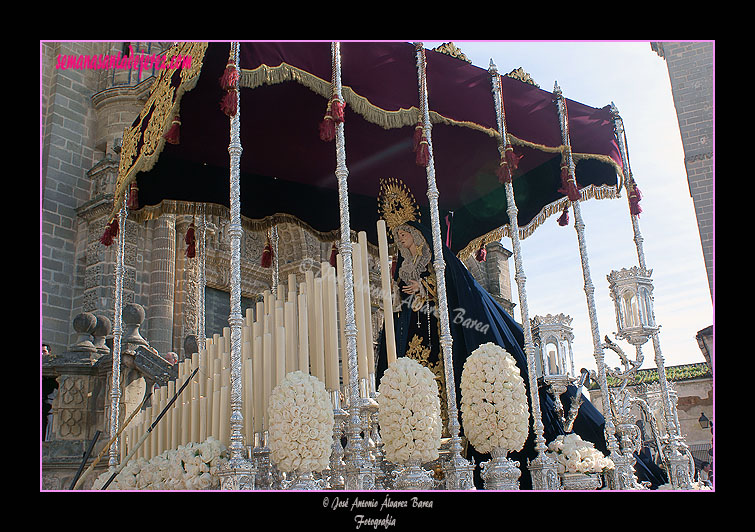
<point x="286" y="168"/>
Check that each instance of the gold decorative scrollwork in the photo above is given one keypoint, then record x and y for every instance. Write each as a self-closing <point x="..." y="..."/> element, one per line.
<point x="143" y="141"/>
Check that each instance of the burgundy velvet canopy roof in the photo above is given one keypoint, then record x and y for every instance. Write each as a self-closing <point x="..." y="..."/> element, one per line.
<point x="286" y="168"/>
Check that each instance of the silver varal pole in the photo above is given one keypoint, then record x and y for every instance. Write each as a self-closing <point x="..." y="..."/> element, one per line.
<point x="359" y="474"/>
<point x="115" y="385"/>
<point x="458" y="471"/>
<point x="543" y="469"/>
<point x="201" y="332"/>
<point x="612" y="478"/>
<point x="239" y="473"/>
<point x="680" y="475"/>
<point x="276" y="273"/>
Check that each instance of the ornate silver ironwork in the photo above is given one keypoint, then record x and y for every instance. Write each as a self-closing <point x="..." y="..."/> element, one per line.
<point x="632" y="294"/>
<point x="680" y="473"/>
<point x="239" y="467"/>
<point x="376" y="442"/>
<point x="262" y="464"/>
<point x="589" y="288"/>
<point x="554" y="330"/>
<point x="458" y="470"/>
<point x="303" y="481"/>
<point x="201" y="289"/>
<point x="115" y="385"/>
<point x="412" y="476"/>
<point x="276" y="272"/>
<point x="360" y="474"/>
<point x="337" y="465"/>
<point x="500" y="472"/>
<point x="581" y="481"/>
<point x="621" y="402"/>
<point x="542" y="467"/>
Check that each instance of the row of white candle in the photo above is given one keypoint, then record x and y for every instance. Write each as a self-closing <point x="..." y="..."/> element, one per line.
<point x="300" y="329"/>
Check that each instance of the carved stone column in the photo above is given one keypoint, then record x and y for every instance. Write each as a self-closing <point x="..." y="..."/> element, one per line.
<point x="185" y="301"/>
<point x="162" y="284"/>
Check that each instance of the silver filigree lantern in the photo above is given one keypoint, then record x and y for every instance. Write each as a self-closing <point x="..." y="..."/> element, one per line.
<point x="632" y="294"/>
<point x="552" y="336"/>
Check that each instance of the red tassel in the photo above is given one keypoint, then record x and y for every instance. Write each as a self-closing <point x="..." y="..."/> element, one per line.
<point x="512" y="158"/>
<point x="564" y="218"/>
<point x="110" y="233"/>
<point x="423" y="153"/>
<point x="569" y="185"/>
<point x="394" y="265"/>
<point x="191" y="242"/>
<point x="229" y="103"/>
<point x="172" y="136"/>
<point x="482" y="253"/>
<point x="327" y="129"/>
<point x="419" y="133"/>
<point x="133" y="197"/>
<point x="504" y="173"/>
<point x="333" y="255"/>
<point x="267" y="255"/>
<point x="230" y="78"/>
<point x="634" y="200"/>
<point x="337" y="110"/>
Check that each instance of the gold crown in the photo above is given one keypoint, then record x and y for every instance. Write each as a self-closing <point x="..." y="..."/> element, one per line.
<point x="396" y="203"/>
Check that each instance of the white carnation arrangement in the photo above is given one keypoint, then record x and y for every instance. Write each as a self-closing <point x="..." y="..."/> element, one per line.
<point x="409" y="412"/>
<point x="301" y="424"/>
<point x="189" y="467"/>
<point x="494" y="408"/>
<point x="574" y="455"/>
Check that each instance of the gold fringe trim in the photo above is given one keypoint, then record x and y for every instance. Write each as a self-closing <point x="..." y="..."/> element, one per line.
<point x="556" y="207"/>
<point x="259" y="225"/>
<point x="133" y="162"/>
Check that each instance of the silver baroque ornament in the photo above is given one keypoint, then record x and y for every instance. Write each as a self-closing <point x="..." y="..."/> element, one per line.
<point x="500" y="472"/>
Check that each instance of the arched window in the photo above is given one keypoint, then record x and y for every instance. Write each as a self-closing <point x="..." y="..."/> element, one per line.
<point x="551" y="356"/>
<point x="630" y="309"/>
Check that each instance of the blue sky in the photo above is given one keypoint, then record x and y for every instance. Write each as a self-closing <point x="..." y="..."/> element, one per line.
<point x="636" y="79"/>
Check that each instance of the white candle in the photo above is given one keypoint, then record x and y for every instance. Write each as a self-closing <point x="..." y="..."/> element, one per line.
<point x="216" y="412"/>
<point x="318" y="360"/>
<point x="309" y="290"/>
<point x="248" y="409"/>
<point x="324" y="308"/>
<point x="385" y="277"/>
<point x="203" y="419"/>
<point x="280" y="355"/>
<point x="333" y="330"/>
<point x="359" y="314"/>
<point x="303" y="333"/>
<point x="267" y="348"/>
<point x="161" y="443"/>
<point x="258" y="387"/>
<point x="291" y="357"/>
<point x="153" y="412"/>
<point x="342" y="316"/>
<point x="168" y="418"/>
<point x="366" y="302"/>
<point x="195" y="413"/>
<point x="225" y="416"/>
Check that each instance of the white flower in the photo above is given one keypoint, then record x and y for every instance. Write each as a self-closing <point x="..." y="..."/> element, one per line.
<point x="191" y="466"/>
<point x="409" y="412"/>
<point x="574" y="455"/>
<point x="301" y="424"/>
<point x="494" y="405"/>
